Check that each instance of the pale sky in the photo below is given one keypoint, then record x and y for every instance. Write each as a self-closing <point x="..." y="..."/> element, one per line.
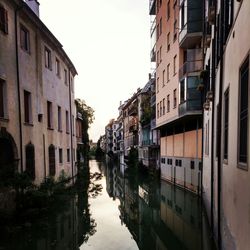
<point x="109" y="43"/>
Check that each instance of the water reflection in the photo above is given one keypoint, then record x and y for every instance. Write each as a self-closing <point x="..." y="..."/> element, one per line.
<point x="157" y="214"/>
<point x="119" y="211"/>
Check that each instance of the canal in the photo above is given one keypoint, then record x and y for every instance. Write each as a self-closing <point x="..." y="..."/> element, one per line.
<point x="122" y="210"/>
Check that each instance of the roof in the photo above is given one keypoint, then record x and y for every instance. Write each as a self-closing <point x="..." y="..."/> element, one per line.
<point x="22" y="6"/>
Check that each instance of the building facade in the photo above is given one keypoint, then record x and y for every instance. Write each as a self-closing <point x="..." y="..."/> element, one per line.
<point x="226" y="122"/>
<point x="37" y="111"/>
<point x="179" y="61"/>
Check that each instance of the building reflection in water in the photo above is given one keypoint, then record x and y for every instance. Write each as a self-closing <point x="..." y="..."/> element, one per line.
<point x="66" y="227"/>
<point x="157" y="214"/>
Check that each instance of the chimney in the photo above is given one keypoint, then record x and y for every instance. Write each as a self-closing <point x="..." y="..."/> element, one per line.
<point x="34" y="5"/>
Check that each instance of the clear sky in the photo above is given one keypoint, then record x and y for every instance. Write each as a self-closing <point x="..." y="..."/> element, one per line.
<point x="109" y="43"/>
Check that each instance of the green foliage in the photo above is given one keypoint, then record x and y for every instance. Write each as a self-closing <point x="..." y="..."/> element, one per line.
<point x="146" y="109"/>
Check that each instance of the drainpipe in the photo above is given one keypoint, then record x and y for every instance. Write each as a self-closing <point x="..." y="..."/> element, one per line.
<point x="71" y="129"/>
<point x="213" y="155"/>
<point x="220" y="165"/>
<point x="18" y="89"/>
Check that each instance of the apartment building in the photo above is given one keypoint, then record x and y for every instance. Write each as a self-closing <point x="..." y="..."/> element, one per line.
<point x="37" y="111"/>
<point x="226" y="177"/>
<point x="179" y="62"/>
<point x="148" y="150"/>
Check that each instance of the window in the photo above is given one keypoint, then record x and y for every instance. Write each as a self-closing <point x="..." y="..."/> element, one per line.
<point x="163" y="78"/>
<point x="2" y="98"/>
<point x="175" y="57"/>
<point x="3" y="19"/>
<point x="58" y="70"/>
<point x="72" y="84"/>
<point x="168" y="41"/>
<point x="59" y="113"/>
<point x="229" y="17"/>
<point x="182" y="16"/>
<point x="168" y="9"/>
<point x="160" y="108"/>
<point x="158" y="58"/>
<point x="243" y="114"/>
<point x="68" y="155"/>
<point x="52" y="160"/>
<point x="163" y="106"/>
<point x="160" y="54"/>
<point x="30" y="160"/>
<point x="48" y="63"/>
<point x="157" y="32"/>
<point x="160" y="26"/>
<point x="226" y="115"/>
<point x="60" y="155"/>
<point x="67" y="121"/>
<point x="207" y="139"/>
<point x="157" y="84"/>
<point x="49" y="115"/>
<point x="168" y="103"/>
<point x="65" y="76"/>
<point x="168" y="73"/>
<point x="182" y="91"/>
<point x="27" y="107"/>
<point x="158" y="115"/>
<point x="24" y="39"/>
<point x="174" y="99"/>
<point x="73" y="125"/>
<point x="175" y="30"/>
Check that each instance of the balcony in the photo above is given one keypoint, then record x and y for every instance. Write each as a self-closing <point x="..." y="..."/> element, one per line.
<point x="133" y="125"/>
<point x="191" y="23"/>
<point x="191" y="103"/>
<point x="194" y="63"/>
<point x="153" y="100"/>
<point x="190" y="107"/>
<point x="152" y="7"/>
<point x="133" y="110"/>
<point x="153" y="54"/>
<point x="153" y="123"/>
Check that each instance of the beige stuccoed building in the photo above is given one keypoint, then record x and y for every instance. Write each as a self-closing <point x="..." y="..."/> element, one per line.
<point x="226" y="176"/>
<point x="37" y="110"/>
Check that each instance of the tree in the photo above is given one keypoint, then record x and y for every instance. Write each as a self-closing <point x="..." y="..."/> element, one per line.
<point x="87" y="114"/>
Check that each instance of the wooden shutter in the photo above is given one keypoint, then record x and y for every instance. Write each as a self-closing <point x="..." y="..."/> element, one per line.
<point x="52" y="161"/>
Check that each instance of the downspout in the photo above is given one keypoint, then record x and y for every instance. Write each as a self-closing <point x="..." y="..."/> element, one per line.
<point x="18" y="91"/>
<point x="213" y="76"/>
<point x="220" y="124"/>
<point x="71" y="129"/>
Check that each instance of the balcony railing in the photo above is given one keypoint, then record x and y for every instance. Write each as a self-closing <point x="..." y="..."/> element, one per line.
<point x="190" y="107"/>
<point x="133" y="110"/>
<point x="153" y="54"/>
<point x="153" y="123"/>
<point x="153" y="100"/>
<point x="194" y="62"/>
<point x="152" y="7"/>
<point x="191" y="31"/>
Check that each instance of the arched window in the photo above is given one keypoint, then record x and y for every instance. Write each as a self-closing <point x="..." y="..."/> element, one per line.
<point x="52" y="160"/>
<point x="30" y="160"/>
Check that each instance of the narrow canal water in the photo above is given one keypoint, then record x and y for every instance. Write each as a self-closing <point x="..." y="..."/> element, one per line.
<point x="122" y="210"/>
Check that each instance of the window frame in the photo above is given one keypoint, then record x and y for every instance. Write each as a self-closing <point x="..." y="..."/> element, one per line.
<point x="49" y="115"/>
<point x="226" y="124"/>
<point x="3" y="20"/>
<point x="27" y="101"/>
<point x="47" y="58"/>
<point x="24" y="44"/>
<point x="3" y="96"/>
<point x="243" y="165"/>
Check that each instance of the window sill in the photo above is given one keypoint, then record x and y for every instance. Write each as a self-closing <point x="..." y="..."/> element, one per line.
<point x="26" y="51"/>
<point x="242" y="166"/>
<point x="225" y="161"/>
<point x="28" y="124"/>
<point x="4" y="119"/>
<point x="50" y="128"/>
<point x="60" y="130"/>
<point x="67" y="132"/>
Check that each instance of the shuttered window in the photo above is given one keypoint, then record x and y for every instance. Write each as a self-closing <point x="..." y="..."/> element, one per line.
<point x="1" y="98"/>
<point x="30" y="160"/>
<point x="3" y="20"/>
<point x="243" y="113"/>
<point x="226" y="119"/>
<point x="52" y="160"/>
